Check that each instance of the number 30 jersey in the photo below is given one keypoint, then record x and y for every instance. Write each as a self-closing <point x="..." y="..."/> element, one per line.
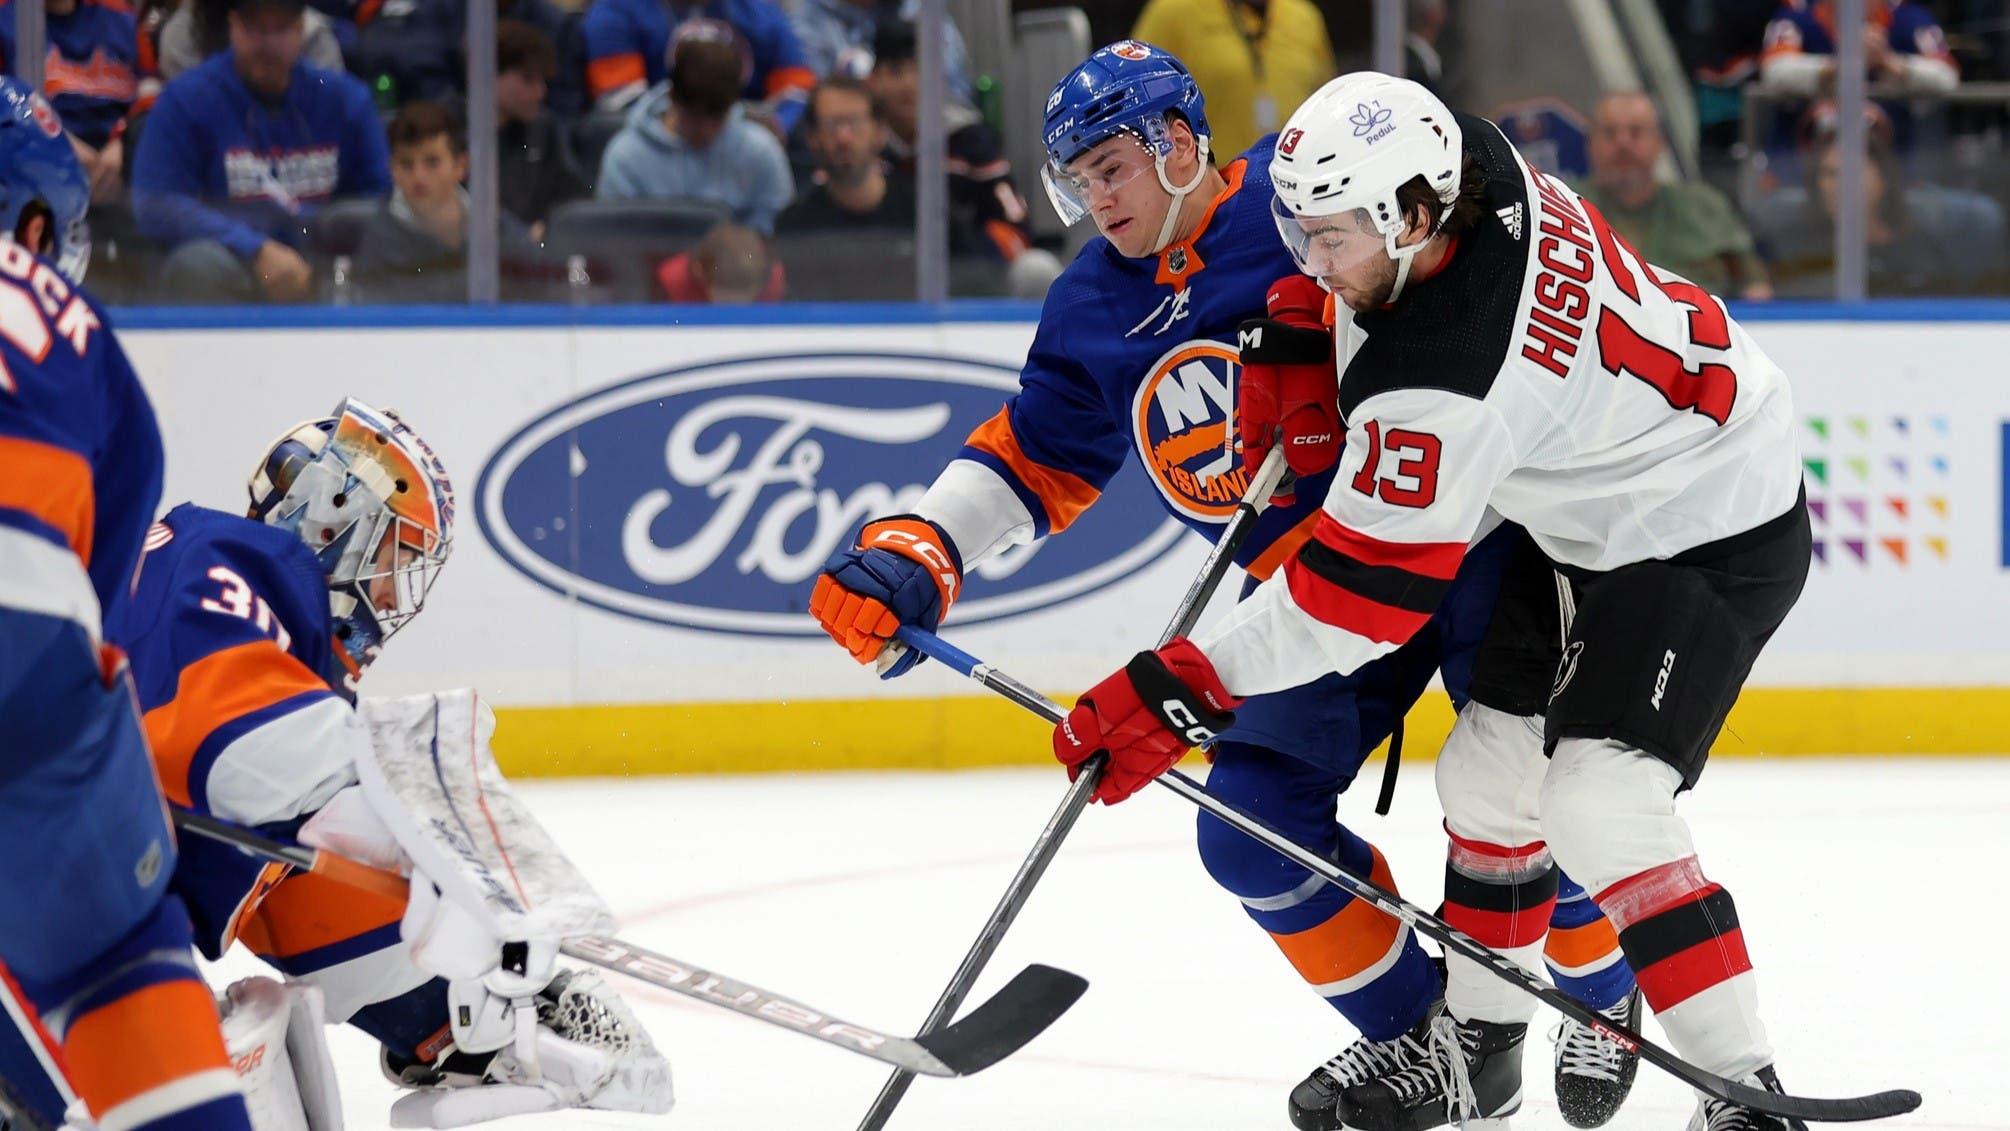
<point x="1545" y="371"/>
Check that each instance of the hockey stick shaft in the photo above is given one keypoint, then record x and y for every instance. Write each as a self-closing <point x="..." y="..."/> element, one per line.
<point x="1880" y="1105"/>
<point x="1256" y="496"/>
<point x="997" y="1028"/>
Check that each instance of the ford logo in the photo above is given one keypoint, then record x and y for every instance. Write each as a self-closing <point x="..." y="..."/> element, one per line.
<point x="709" y="496"/>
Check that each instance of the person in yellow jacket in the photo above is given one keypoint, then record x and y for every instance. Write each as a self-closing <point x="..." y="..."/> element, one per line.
<point x="1255" y="60"/>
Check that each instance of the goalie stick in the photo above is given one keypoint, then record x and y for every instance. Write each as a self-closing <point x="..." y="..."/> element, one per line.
<point x="1254" y="499"/>
<point x="1880" y="1105"/>
<point x="1016" y="1014"/>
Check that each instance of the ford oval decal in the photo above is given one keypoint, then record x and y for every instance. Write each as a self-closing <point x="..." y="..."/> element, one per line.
<point x="710" y="495"/>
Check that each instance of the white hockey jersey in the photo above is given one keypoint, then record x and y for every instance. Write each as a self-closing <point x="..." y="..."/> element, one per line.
<point x="1546" y="371"/>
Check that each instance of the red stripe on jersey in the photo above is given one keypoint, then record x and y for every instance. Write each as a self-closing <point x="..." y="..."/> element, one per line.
<point x="1064" y="495"/>
<point x="52" y="484"/>
<point x="1343" y="608"/>
<point x="225" y="685"/>
<point x="1681" y="976"/>
<point x="1431" y="559"/>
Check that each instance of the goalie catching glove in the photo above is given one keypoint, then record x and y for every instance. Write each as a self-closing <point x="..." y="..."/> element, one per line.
<point x="904" y="570"/>
<point x="1290" y="388"/>
<point x="1146" y="717"/>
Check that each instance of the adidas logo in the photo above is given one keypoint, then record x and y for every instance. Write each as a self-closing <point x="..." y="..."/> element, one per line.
<point x="1511" y="219"/>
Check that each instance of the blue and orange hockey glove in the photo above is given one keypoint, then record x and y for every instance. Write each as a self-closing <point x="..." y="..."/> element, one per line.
<point x="1290" y="388"/>
<point x="904" y="570"/>
<point x="1146" y="716"/>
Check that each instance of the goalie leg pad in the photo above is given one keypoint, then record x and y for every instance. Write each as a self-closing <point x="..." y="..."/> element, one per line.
<point x="276" y="1035"/>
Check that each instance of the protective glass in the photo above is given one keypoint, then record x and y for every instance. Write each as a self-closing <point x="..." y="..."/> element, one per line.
<point x="1101" y="172"/>
<point x="1328" y="245"/>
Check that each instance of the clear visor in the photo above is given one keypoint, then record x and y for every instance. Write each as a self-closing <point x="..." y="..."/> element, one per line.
<point x="1097" y="175"/>
<point x="1329" y="245"/>
<point x="401" y="561"/>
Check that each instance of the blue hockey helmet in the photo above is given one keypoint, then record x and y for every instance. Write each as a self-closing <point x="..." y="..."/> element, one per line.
<point x="39" y="175"/>
<point x="1126" y="88"/>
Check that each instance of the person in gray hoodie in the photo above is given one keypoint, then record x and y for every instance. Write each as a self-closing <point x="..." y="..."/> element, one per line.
<point x="687" y="139"/>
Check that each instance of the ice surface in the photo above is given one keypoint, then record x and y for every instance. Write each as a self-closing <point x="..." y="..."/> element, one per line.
<point x="1870" y="891"/>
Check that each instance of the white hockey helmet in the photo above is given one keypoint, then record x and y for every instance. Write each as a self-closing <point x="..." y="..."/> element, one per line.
<point x="373" y="502"/>
<point x="1341" y="158"/>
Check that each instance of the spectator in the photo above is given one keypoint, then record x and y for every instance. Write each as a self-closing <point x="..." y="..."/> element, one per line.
<point x="628" y="50"/>
<point x="731" y="268"/>
<point x="690" y="140"/>
<point x="239" y="152"/>
<point x="415" y="248"/>
<point x="833" y="32"/>
<point x="1902" y="46"/>
<point x="1689" y="228"/>
<point x="987" y="216"/>
<point x="196" y="30"/>
<point x="1920" y="240"/>
<point x="91" y="76"/>
<point x="415" y="47"/>
<point x="1255" y="59"/>
<point x="535" y="169"/>
<point x="853" y="187"/>
<point x="1424" y="23"/>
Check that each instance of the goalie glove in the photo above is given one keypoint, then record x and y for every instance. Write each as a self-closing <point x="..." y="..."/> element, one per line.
<point x="587" y="1050"/>
<point x="1289" y="393"/>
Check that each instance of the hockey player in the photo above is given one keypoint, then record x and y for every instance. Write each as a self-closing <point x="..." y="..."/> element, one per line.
<point x="248" y="635"/>
<point x="1519" y="355"/>
<point x="1137" y="351"/>
<point x="103" y="999"/>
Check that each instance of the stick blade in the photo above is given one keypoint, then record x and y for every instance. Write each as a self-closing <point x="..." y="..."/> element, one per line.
<point x="1034" y="999"/>
<point x="1853" y="1109"/>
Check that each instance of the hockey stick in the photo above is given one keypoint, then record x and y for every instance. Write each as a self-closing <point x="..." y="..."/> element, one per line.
<point x="1881" y="1105"/>
<point x="999" y="1027"/>
<point x="1255" y="498"/>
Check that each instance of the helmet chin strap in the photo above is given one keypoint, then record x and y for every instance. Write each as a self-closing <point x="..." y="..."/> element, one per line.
<point x="1179" y="193"/>
<point x="1403" y="256"/>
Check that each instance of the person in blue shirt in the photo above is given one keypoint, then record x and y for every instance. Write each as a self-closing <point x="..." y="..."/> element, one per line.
<point x="837" y="35"/>
<point x="91" y="77"/>
<point x="628" y="51"/>
<point x="689" y="140"/>
<point x="239" y="153"/>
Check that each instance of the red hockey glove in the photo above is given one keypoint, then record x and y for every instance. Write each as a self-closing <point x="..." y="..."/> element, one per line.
<point x="1146" y="716"/>
<point x="1290" y="391"/>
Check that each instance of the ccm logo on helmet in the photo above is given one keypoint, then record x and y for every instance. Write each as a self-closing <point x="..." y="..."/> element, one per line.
<point x="928" y="552"/>
<point x="1183" y="720"/>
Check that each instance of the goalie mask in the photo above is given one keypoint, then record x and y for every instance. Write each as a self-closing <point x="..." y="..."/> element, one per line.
<point x="374" y="504"/>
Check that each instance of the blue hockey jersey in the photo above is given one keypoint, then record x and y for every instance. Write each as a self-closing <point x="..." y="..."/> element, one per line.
<point x="215" y="162"/>
<point x="91" y="71"/>
<point x="80" y="453"/>
<point x="232" y="654"/>
<point x="1137" y="357"/>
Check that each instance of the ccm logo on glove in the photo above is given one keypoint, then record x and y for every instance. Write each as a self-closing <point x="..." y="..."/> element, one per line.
<point x="906" y="540"/>
<point x="1145" y="717"/>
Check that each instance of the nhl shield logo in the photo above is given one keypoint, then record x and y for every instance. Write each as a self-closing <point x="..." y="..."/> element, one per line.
<point x="1176" y="260"/>
<point x="1180" y="417"/>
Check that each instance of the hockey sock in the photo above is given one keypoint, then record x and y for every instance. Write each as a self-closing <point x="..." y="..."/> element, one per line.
<point x="1367" y="965"/>
<point x="1502" y="896"/>
<point x="1682" y="938"/>
<point x="1583" y="953"/>
<point x="139" y="1034"/>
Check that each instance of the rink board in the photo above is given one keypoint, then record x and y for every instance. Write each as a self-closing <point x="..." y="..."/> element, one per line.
<point x="643" y="506"/>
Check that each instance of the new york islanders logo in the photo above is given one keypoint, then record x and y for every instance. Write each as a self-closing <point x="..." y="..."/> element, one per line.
<point x="1180" y="417"/>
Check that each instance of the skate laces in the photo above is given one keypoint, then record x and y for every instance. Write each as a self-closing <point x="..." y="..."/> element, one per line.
<point x="1365" y="1060"/>
<point x="1583" y="1051"/>
<point x="1449" y="1044"/>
